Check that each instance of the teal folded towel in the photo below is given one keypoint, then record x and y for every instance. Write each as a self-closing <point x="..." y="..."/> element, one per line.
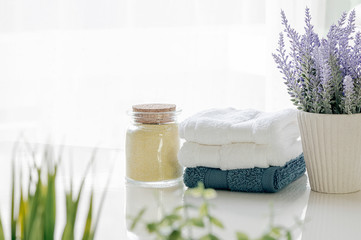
<point x="271" y="179"/>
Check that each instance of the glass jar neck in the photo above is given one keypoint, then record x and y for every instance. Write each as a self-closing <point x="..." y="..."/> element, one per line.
<point x="154" y="117"/>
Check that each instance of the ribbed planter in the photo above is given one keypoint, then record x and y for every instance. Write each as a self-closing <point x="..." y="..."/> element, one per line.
<point x="332" y="150"/>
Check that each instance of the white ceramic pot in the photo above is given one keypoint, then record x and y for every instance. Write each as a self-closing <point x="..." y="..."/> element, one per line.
<point x="332" y="150"/>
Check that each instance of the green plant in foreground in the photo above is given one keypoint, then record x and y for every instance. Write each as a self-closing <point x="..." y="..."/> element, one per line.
<point x="182" y="220"/>
<point x="33" y="207"/>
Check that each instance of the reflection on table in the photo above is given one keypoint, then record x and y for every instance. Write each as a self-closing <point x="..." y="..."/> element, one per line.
<point x="327" y="216"/>
<point x="248" y="212"/>
<point x="333" y="216"/>
<point x="156" y="201"/>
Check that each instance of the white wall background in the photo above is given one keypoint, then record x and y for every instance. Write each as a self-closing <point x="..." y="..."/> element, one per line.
<point x="71" y="68"/>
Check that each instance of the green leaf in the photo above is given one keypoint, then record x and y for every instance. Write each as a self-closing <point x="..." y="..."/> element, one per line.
<point x="137" y="218"/>
<point x="209" y="193"/>
<point x="197" y="191"/>
<point x="177" y="209"/>
<point x="2" y="237"/>
<point x="13" y="221"/>
<point x="242" y="236"/>
<point x="268" y="237"/>
<point x="38" y="224"/>
<point x="209" y="237"/>
<point x="200" y="185"/>
<point x="216" y="222"/>
<point x="68" y="232"/>
<point x="172" y="217"/>
<point x="50" y="208"/>
<point x="22" y="213"/>
<point x="189" y="206"/>
<point x="198" y="222"/>
<point x="152" y="227"/>
<point x="276" y="232"/>
<point x="185" y="206"/>
<point x="88" y="223"/>
<point x="175" y="235"/>
<point x="289" y="235"/>
<point x="203" y="209"/>
<point x="101" y="203"/>
<point x="34" y="211"/>
<point x="72" y="206"/>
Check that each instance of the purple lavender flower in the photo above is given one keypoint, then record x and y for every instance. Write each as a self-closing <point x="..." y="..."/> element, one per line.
<point x="356" y="57"/>
<point x="348" y="95"/>
<point x="356" y="70"/>
<point x="323" y="73"/>
<point x="344" y="47"/>
<point x="286" y="68"/>
<point x="309" y="41"/>
<point x="319" y="73"/>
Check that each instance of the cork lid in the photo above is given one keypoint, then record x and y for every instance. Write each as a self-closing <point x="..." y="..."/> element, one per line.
<point x="155" y="107"/>
<point x="155" y="113"/>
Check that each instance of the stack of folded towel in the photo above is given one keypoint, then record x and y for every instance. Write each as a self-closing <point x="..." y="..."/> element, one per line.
<point x="242" y="150"/>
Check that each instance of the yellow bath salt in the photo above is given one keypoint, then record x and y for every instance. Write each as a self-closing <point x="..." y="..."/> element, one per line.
<point x="152" y="144"/>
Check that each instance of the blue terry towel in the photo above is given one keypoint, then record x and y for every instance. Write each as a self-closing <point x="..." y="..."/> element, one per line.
<point x="271" y="179"/>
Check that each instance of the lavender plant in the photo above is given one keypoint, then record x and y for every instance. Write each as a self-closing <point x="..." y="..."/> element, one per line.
<point x="322" y="75"/>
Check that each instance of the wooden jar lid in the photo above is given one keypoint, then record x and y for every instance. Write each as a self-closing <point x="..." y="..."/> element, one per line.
<point x="154" y="113"/>
<point x="156" y="107"/>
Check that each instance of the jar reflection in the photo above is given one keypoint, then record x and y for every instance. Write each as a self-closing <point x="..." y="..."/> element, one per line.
<point x="157" y="202"/>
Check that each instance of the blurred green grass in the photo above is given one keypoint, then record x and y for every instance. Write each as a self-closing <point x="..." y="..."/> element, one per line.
<point x="33" y="210"/>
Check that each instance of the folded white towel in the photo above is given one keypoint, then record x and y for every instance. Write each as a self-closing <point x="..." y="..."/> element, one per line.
<point x="238" y="155"/>
<point x="225" y="126"/>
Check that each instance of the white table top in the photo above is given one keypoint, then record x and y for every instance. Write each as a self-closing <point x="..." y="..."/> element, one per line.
<point x="326" y="216"/>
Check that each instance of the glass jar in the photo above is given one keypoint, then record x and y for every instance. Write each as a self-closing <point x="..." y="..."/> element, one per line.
<point x="152" y="145"/>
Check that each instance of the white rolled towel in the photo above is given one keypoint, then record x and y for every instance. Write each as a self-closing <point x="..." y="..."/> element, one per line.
<point x="238" y="155"/>
<point x="229" y="125"/>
